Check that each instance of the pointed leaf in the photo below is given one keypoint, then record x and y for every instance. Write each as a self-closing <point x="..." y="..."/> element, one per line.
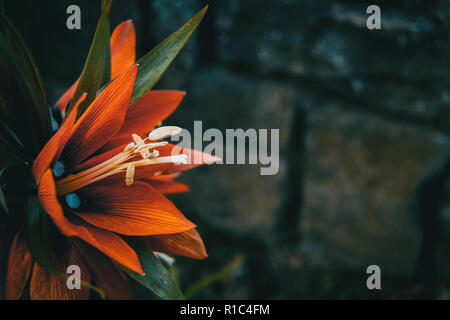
<point x="106" y="71"/>
<point x="24" y="102"/>
<point x="91" y="77"/>
<point x="3" y="205"/>
<point x="11" y="141"/>
<point x="154" y="64"/>
<point x="36" y="231"/>
<point x="156" y="277"/>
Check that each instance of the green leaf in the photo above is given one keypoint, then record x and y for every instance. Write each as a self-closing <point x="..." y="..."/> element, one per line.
<point x="106" y="70"/>
<point x="36" y="231"/>
<point x="9" y="138"/>
<point x="12" y="142"/>
<point x="91" y="77"/>
<point x="156" y="277"/>
<point x="36" y="237"/>
<point x="24" y="102"/>
<point x="3" y="205"/>
<point x="154" y="64"/>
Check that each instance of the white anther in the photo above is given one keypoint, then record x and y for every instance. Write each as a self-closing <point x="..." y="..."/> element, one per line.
<point x="154" y="154"/>
<point x="129" y="175"/>
<point x="151" y="146"/>
<point x="145" y="154"/>
<point x="164" y="132"/>
<point x="180" y="159"/>
<point x="137" y="140"/>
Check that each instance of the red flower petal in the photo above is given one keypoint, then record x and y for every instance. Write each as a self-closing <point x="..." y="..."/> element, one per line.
<point x="167" y="186"/>
<point x="167" y="177"/>
<point x="145" y="114"/>
<point x="136" y="210"/>
<point x="19" y="268"/>
<point x="188" y="244"/>
<point x="61" y="104"/>
<point x="107" y="242"/>
<point x="108" y="278"/>
<point x="101" y="120"/>
<point x="123" y="48"/>
<point x="53" y="148"/>
<point x="194" y="159"/>
<point x="99" y="158"/>
<point x="46" y="286"/>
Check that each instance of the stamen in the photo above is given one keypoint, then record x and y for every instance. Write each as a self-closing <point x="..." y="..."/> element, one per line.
<point x="129" y="175"/>
<point x="73" y="201"/>
<point x="137" y="139"/>
<point x="58" y="169"/>
<point x="145" y="154"/>
<point x="124" y="161"/>
<point x="164" y="132"/>
<point x="180" y="159"/>
<point x="151" y="146"/>
<point x="143" y="149"/>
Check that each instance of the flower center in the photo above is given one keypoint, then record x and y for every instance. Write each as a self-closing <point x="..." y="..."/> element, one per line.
<point x="136" y="154"/>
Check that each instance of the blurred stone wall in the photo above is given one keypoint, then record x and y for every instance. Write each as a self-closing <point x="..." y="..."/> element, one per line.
<point x="364" y="119"/>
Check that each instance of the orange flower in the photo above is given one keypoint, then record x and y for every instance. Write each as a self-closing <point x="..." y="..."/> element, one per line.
<point x="99" y="180"/>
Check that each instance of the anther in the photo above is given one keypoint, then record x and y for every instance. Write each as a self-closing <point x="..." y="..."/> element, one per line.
<point x="154" y="154"/>
<point x="129" y="175"/>
<point x="151" y="146"/>
<point x="164" y="132"/>
<point x="137" y="140"/>
<point x="145" y="154"/>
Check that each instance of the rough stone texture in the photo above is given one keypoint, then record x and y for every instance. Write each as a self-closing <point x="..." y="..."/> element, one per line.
<point x="377" y="122"/>
<point x="364" y="119"/>
<point x="360" y="182"/>
<point x="396" y="69"/>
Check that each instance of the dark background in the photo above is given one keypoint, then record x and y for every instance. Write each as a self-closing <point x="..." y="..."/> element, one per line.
<point x="364" y="119"/>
